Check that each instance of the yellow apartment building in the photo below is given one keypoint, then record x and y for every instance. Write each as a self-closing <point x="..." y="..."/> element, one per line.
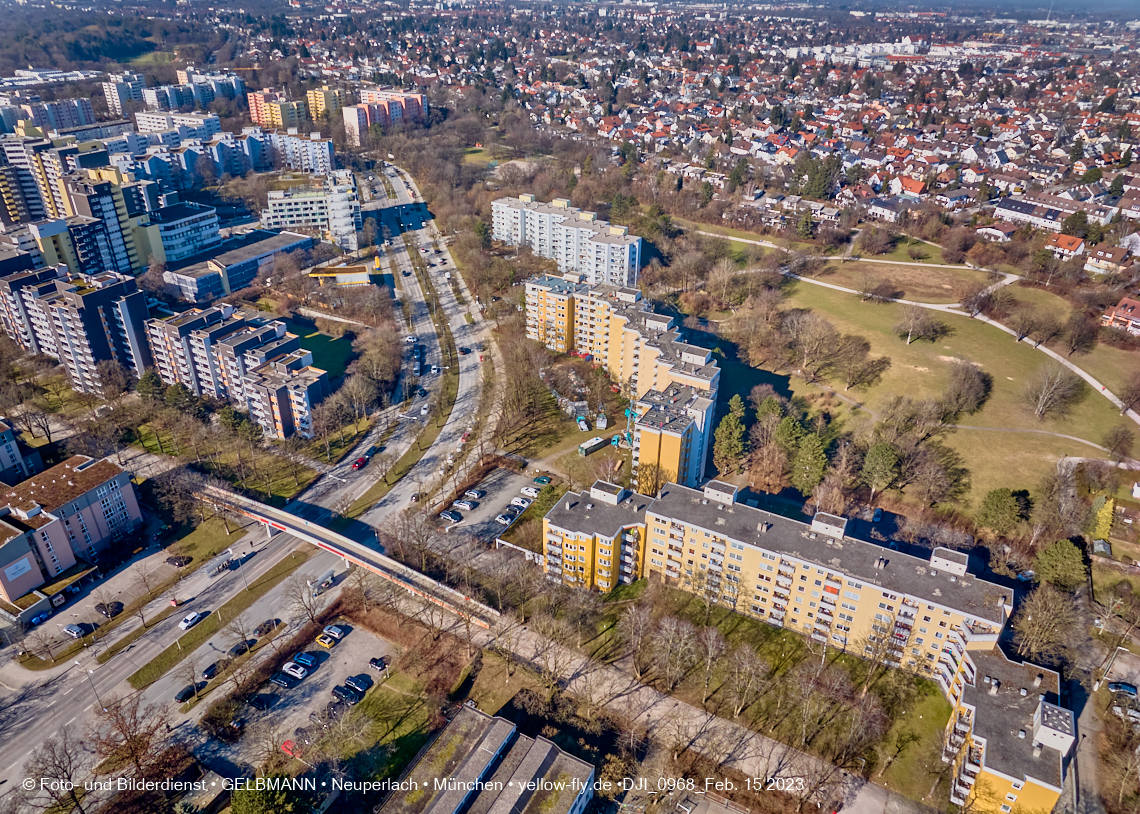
<point x="672" y="385"/>
<point x="1008" y="737"/>
<point x="325" y="100"/>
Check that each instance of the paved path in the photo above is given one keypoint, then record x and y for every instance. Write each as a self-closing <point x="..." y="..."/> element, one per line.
<point x="770" y="245"/>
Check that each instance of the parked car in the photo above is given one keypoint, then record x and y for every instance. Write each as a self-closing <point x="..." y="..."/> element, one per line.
<point x="521" y="502"/>
<point x="74" y="631"/>
<point x="336" y="632"/>
<point x="474" y="494"/>
<point x="503" y="520"/>
<point x="425" y="410"/>
<point x="411" y="339"/>
<point x="266" y="627"/>
<point x="283" y="681"/>
<point x="417" y="497"/>
<point x="212" y="671"/>
<point x="1122" y="687"/>
<point x="291" y="748"/>
<point x="360" y="463"/>
<point x="296" y="670"/>
<point x="361" y="683"/>
<point x="239" y="649"/>
<point x="178" y="562"/>
<point x="877" y="516"/>
<point x="109" y="609"/>
<point x="327" y="642"/>
<point x="542" y="480"/>
<point x="466" y="505"/>
<point x="378" y="663"/>
<point x="451" y="516"/>
<point x="464" y="351"/>
<point x="191" y="619"/>
<point x="262" y="701"/>
<point x="306" y="660"/>
<point x="529" y="491"/>
<point x="347" y="694"/>
<point x="187" y="692"/>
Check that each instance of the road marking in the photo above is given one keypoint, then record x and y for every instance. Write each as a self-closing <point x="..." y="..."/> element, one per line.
<point x="69" y="690"/>
<point x="72" y="719"/>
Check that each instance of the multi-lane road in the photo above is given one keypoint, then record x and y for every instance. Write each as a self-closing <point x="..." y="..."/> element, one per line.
<point x="36" y="706"/>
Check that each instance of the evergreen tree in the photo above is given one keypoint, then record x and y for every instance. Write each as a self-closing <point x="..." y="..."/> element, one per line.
<point x="150" y="386"/>
<point x="728" y="444"/>
<point x="788" y="435"/>
<point x="808" y="464"/>
<point x="1061" y="565"/>
<point x="1000" y="511"/>
<point x="880" y="467"/>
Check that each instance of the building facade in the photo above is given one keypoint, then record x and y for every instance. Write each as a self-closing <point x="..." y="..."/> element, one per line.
<point x="123" y="91"/>
<point x="672" y="384"/>
<point x="333" y="209"/>
<point x="176" y="232"/>
<point x="62" y="518"/>
<point x="605" y="254"/>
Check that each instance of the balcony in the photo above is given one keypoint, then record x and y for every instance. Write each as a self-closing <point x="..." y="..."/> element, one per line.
<point x="827" y="612"/>
<point x="785" y="582"/>
<point x="786" y="570"/>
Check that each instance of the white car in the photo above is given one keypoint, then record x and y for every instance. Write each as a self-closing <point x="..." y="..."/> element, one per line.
<point x="529" y="491"/>
<point x="474" y="494"/>
<point x="424" y="410"/>
<point x="465" y="505"/>
<point x="190" y="620"/>
<point x="336" y="632"/>
<point x="503" y="520"/>
<point x="521" y="502"/>
<point x="410" y="339"/>
<point x="294" y="669"/>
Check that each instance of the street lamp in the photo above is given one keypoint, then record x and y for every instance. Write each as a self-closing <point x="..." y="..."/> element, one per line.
<point x="92" y="683"/>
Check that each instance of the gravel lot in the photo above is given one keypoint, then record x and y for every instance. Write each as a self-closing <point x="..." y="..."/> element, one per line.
<point x="501" y="485"/>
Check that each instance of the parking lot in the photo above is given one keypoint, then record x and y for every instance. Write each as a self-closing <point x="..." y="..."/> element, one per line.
<point x="288" y="710"/>
<point x="501" y="486"/>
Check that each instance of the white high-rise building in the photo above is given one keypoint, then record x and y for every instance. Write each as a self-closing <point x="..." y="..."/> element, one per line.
<point x="332" y="209"/>
<point x="123" y="89"/>
<point x="604" y="253"/>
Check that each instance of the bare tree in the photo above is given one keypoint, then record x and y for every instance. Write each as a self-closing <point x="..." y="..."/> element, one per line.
<point x="634" y="628"/>
<point x="1052" y="390"/>
<point x="430" y="615"/>
<point x="1129" y="394"/>
<point x="916" y="323"/>
<point x="675" y="650"/>
<point x="127" y="733"/>
<point x="302" y="601"/>
<point x="746" y="676"/>
<point x="711" y="646"/>
<point x="1044" y="623"/>
<point x="41" y="639"/>
<point x="61" y="758"/>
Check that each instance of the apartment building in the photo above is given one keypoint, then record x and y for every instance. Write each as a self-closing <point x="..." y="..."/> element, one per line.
<point x="1045" y="211"/>
<point x="17" y="460"/>
<point x="383" y="108"/>
<point x="605" y="254"/>
<point x="303" y="153"/>
<point x="103" y="201"/>
<point x="59" y="115"/>
<point x="234" y="265"/>
<point x="88" y="319"/>
<point x="123" y="91"/>
<point x="672" y="384"/>
<point x="331" y="209"/>
<point x="244" y="358"/>
<point x="196" y="125"/>
<point x="325" y="102"/>
<point x="54" y="525"/>
<point x="15" y="316"/>
<point x="270" y="108"/>
<point x="1009" y="738"/>
<point x="176" y="232"/>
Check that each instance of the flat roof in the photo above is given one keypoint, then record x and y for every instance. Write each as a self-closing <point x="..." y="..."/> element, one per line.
<point x="237" y="250"/>
<point x="61" y="484"/>
<point x="577" y="512"/>
<point x="179" y="211"/>
<point x="903" y="573"/>
<point x="999" y="718"/>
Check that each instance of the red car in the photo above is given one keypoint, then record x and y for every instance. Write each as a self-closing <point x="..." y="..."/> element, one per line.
<point x="292" y="749"/>
<point x="360" y="463"/>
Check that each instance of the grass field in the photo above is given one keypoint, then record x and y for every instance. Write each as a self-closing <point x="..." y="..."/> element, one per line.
<point x="922" y="368"/>
<point x="922" y="284"/>
<point x="154" y="58"/>
<point x="400" y="725"/>
<point x="477" y="155"/>
<point x="901" y="251"/>
<point x="329" y="353"/>
<point x="927" y="719"/>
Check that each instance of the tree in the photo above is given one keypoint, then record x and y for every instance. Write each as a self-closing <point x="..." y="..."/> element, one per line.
<point x="711" y="645"/>
<point x="127" y="733"/>
<point x="967" y="390"/>
<point x="1129" y="394"/>
<point x="675" y="650"/>
<point x="1076" y="224"/>
<point x="114" y="380"/>
<point x="808" y="464"/>
<point x="178" y="397"/>
<point x="302" y="604"/>
<point x="1052" y="390"/>
<point x="745" y="678"/>
<point x="652" y="477"/>
<point x="483" y="232"/>
<point x="880" y="467"/>
<point x="153" y="280"/>
<point x="1118" y="440"/>
<point x="1061" y="565"/>
<point x="804" y="227"/>
<point x="728" y="444"/>
<point x="274" y="797"/>
<point x="150" y="387"/>
<point x="1044" y="623"/>
<point x="63" y="758"/>
<point x="634" y="628"/>
<point x="1000" y="511"/>
<point x="1080" y="333"/>
<point x="917" y="323"/>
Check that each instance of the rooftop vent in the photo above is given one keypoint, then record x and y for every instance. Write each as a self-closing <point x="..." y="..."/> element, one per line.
<point x="987" y="680"/>
<point x="994" y="687"/>
<point x="1037" y="679"/>
<point x="1021" y="734"/>
<point x="589" y="506"/>
<point x="1037" y="750"/>
<point x="1024" y="692"/>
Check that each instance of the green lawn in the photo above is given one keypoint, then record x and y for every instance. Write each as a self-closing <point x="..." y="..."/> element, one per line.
<point x="927" y="719"/>
<point x="400" y="717"/>
<point x="930" y="252"/>
<point x="189" y="641"/>
<point x="329" y="353"/>
<point x="914" y="282"/>
<point x="922" y="368"/>
<point x="154" y="58"/>
<point x="476" y="155"/>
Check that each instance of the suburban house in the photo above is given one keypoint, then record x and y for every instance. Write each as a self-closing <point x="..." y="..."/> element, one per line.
<point x="884" y="209"/>
<point x="1065" y="247"/>
<point x="1108" y="259"/>
<point x="997" y="232"/>
<point x="1126" y="316"/>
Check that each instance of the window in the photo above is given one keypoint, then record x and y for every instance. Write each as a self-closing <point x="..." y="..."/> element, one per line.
<point x="855" y="585"/>
<point x="814" y="593"/>
<point x="1006" y="809"/>
<point x="918" y="641"/>
<point x="1017" y="785"/>
<point x="926" y="618"/>
<point x="851" y="595"/>
<point x="818" y="582"/>
<point x="1011" y="797"/>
